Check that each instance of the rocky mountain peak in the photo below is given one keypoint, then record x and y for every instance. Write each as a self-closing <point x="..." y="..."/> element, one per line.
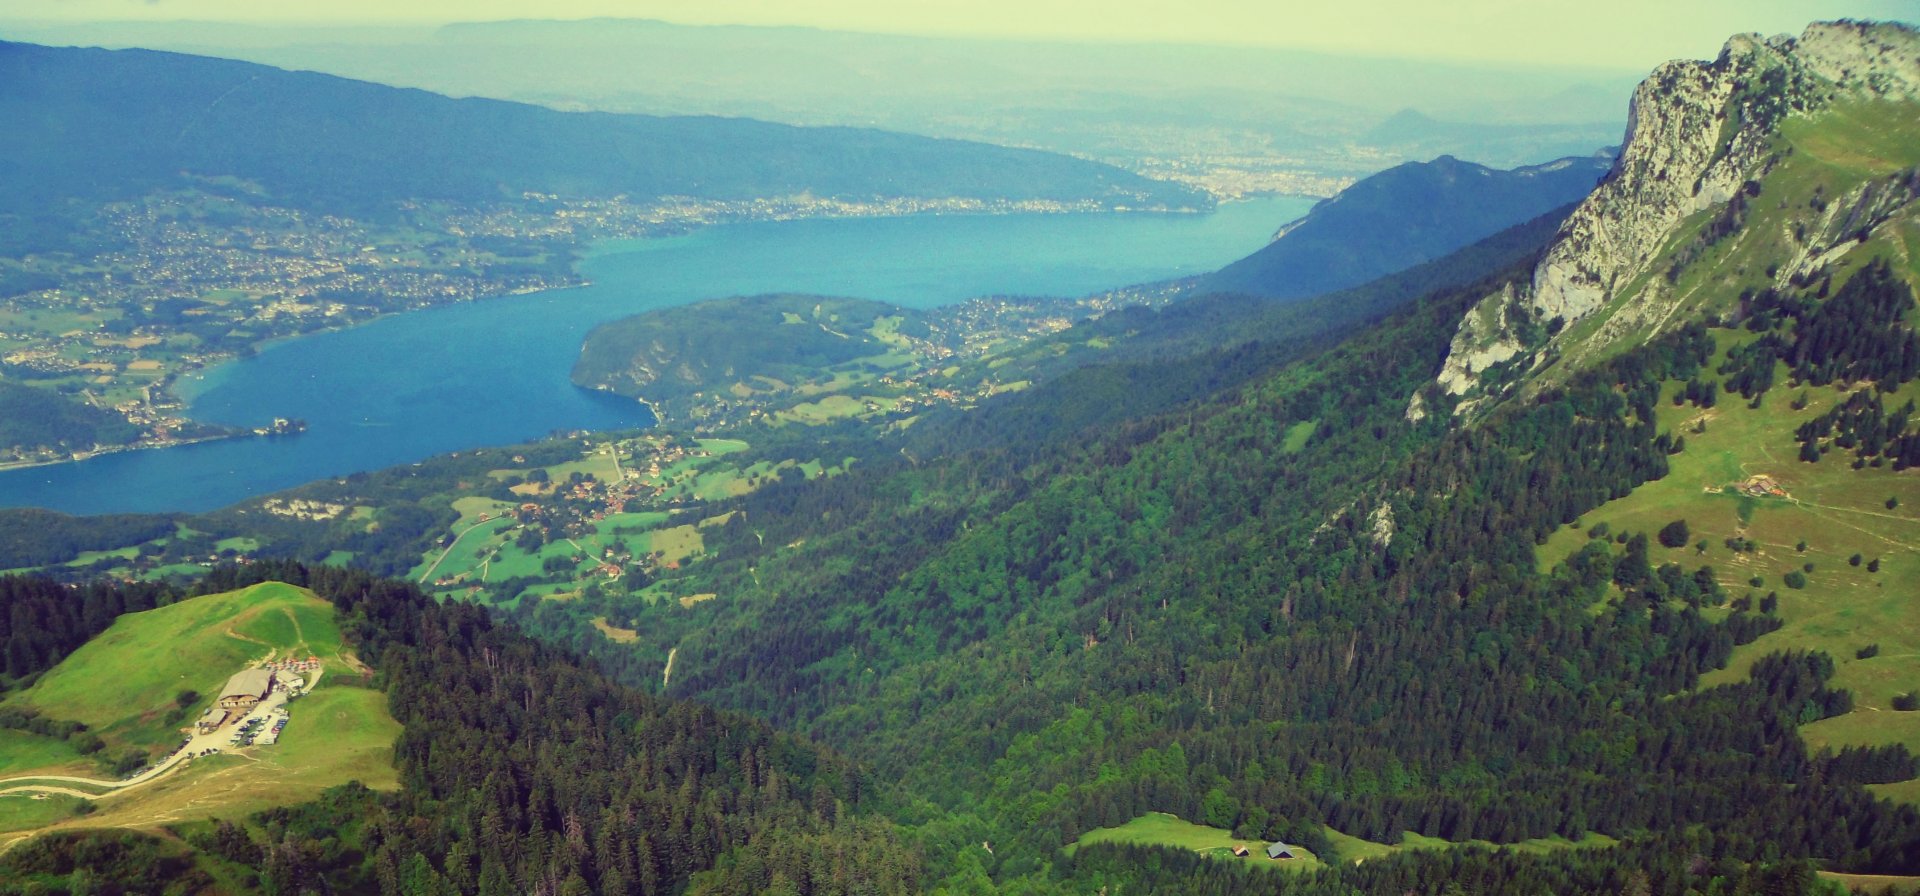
<point x="1698" y="133"/>
<point x="1881" y="59"/>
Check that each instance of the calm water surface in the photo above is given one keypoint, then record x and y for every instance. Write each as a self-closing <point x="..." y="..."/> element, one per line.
<point x="492" y="372"/>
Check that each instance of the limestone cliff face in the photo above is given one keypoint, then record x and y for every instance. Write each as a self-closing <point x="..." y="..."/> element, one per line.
<point x="1697" y="133"/>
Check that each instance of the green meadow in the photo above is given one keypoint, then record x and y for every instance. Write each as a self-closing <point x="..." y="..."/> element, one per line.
<point x="1161" y="829"/>
<point x="1830" y="513"/>
<point x="123" y="683"/>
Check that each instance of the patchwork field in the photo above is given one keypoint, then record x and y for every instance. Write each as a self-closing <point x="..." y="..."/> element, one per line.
<point x="566" y="537"/>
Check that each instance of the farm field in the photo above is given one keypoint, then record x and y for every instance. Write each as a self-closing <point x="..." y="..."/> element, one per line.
<point x="579" y="526"/>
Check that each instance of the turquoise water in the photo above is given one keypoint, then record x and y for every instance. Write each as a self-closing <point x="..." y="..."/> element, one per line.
<point x="493" y="372"/>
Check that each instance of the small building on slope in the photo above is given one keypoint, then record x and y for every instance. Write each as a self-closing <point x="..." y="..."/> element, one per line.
<point x="246" y="689"/>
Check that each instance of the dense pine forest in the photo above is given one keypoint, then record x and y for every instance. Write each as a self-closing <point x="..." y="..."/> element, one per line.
<point x="1328" y="647"/>
<point x="523" y="771"/>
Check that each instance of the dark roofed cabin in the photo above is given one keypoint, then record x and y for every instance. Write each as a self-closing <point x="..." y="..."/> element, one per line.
<point x="1279" y="850"/>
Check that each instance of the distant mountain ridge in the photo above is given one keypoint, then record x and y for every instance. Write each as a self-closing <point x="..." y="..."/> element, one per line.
<point x="1401" y="217"/>
<point x="103" y="124"/>
<point x="1112" y="102"/>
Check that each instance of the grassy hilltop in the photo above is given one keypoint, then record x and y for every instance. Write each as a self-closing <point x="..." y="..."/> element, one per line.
<point x="124" y="687"/>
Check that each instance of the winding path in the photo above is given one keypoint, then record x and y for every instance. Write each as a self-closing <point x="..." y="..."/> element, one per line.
<point x="112" y="788"/>
<point x="62" y="791"/>
<point x="166" y="766"/>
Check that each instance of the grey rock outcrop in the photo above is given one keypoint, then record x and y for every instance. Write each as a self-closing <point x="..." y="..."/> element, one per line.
<point x="1697" y="132"/>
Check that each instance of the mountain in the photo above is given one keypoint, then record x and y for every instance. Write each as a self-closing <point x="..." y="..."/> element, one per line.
<point x="102" y="124"/>
<point x="1290" y="606"/>
<point x="1784" y="237"/>
<point x="1114" y="102"/>
<point x="1586" y="624"/>
<point x="1491" y="136"/>
<point x="1772" y="164"/>
<point x="1399" y="218"/>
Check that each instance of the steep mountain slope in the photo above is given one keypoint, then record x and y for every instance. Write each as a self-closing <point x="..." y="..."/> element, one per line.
<point x="1759" y="169"/>
<point x="106" y="124"/>
<point x="1399" y="218"/>
<point x="1294" y="609"/>
<point x="1790" y="231"/>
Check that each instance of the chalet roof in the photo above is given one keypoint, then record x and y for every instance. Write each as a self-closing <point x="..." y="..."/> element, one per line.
<point x="1279" y="850"/>
<point x="249" y="683"/>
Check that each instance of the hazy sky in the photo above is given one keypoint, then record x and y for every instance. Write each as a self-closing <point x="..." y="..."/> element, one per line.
<point x="1633" y="34"/>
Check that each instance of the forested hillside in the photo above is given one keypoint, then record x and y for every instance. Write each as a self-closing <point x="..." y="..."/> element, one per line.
<point x="1241" y="620"/>
<point x="1402" y="217"/>
<point x="739" y="346"/>
<point x="1447" y="616"/>
<point x="522" y="771"/>
<point x="1305" y="608"/>
<point x="38" y="419"/>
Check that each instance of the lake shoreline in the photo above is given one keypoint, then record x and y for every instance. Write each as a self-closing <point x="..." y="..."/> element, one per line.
<point x="402" y="387"/>
<point x="105" y="450"/>
<point x="183" y="386"/>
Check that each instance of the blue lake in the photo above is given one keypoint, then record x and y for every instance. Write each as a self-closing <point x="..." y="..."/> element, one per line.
<point x="495" y="371"/>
